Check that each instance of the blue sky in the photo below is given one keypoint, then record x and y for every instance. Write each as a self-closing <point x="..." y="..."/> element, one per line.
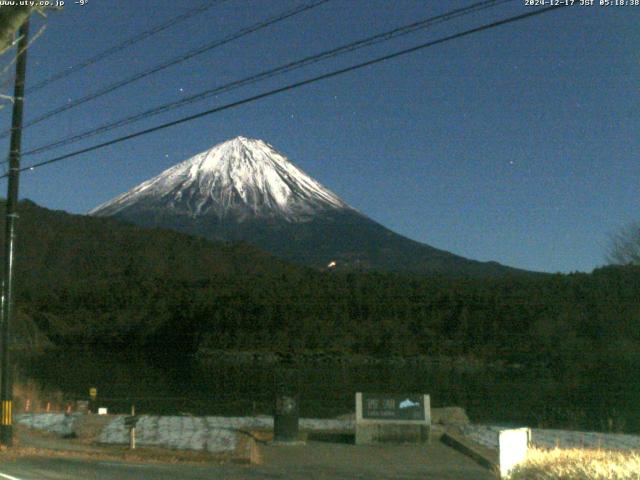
<point x="519" y="144"/>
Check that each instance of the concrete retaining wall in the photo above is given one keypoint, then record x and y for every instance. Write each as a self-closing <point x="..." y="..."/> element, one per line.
<point x="57" y="423"/>
<point x="212" y="434"/>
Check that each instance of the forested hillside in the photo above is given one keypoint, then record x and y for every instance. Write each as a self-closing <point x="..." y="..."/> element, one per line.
<point x="95" y="283"/>
<point x="95" y="280"/>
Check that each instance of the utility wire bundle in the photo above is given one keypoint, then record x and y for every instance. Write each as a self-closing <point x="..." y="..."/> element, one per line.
<point x="286" y="68"/>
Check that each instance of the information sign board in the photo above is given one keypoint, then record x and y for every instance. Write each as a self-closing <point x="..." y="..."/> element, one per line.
<point x="393" y="407"/>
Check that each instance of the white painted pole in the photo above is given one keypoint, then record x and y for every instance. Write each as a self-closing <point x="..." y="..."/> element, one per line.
<point x="132" y="430"/>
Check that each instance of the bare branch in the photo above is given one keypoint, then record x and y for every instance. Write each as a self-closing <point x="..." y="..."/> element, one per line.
<point x="13" y="60"/>
<point x="625" y="246"/>
<point x="11" y="18"/>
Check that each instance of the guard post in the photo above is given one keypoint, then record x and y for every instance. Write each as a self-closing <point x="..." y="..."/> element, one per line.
<point x="287" y="408"/>
<point x="130" y="422"/>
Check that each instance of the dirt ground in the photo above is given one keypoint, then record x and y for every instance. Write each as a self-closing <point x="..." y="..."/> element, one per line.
<point x="315" y="459"/>
<point x="333" y="460"/>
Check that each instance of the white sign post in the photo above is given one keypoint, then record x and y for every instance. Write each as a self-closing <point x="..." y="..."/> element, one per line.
<point x="513" y="445"/>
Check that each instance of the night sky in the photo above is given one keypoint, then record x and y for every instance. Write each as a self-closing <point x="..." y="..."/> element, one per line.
<point x="519" y="144"/>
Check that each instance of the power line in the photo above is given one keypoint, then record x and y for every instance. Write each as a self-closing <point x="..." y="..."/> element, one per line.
<point x="293" y="86"/>
<point x="309" y="60"/>
<point x="169" y="63"/>
<point x="122" y="45"/>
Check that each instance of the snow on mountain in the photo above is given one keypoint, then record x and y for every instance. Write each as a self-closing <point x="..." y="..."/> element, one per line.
<point x="235" y="180"/>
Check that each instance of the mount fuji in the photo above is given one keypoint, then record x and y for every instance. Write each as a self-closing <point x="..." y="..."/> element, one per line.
<point x="245" y="190"/>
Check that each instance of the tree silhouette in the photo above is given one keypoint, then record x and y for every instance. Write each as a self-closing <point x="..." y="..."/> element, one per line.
<point x="625" y="246"/>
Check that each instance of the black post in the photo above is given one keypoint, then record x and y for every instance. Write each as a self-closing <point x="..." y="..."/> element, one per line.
<point x="6" y="385"/>
<point x="287" y="407"/>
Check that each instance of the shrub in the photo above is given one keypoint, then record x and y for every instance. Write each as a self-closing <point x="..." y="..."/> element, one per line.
<point x="577" y="464"/>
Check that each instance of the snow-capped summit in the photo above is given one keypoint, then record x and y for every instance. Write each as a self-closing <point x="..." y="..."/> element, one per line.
<point x="235" y="180"/>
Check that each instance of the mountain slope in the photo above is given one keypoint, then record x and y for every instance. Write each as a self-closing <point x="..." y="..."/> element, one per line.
<point x="55" y="246"/>
<point x="244" y="190"/>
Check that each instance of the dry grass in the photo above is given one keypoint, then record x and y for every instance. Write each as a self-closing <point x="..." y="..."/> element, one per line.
<point x="144" y="455"/>
<point x="37" y="397"/>
<point x="36" y="443"/>
<point x="576" y="464"/>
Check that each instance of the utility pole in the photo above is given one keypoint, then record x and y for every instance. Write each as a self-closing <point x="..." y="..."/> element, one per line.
<point x="6" y="382"/>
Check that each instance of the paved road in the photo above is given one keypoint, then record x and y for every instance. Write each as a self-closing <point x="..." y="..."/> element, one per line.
<point x="75" y="469"/>
<point x="316" y="460"/>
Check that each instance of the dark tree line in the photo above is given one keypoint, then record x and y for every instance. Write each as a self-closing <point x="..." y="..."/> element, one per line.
<point x="96" y="283"/>
<point x="570" y="324"/>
